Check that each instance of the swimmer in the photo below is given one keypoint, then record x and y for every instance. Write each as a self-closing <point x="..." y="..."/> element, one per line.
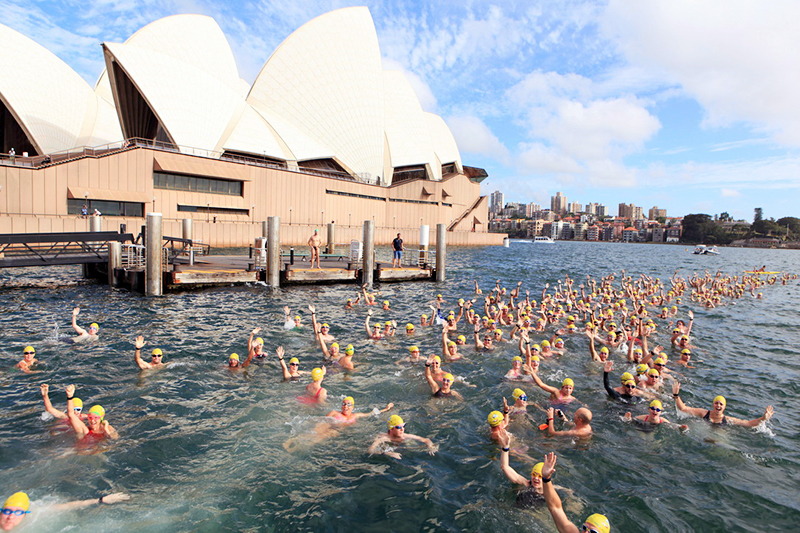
<point x="156" y="356"/>
<point x="581" y="426"/>
<point x="497" y="425"/>
<point x="350" y="304"/>
<point x="520" y="403"/>
<point x="28" y="360"/>
<point x="413" y="357"/>
<point x="716" y="415"/>
<point x="373" y="333"/>
<point x="315" y="392"/>
<point x="595" y="523"/>
<point x="293" y="370"/>
<point x="410" y="328"/>
<point x="335" y="419"/>
<point x="599" y="356"/>
<point x="423" y="321"/>
<point x="60" y="415"/>
<point x="290" y="323"/>
<point x="628" y="392"/>
<point x="83" y="335"/>
<point x="234" y="364"/>
<point x="96" y="426"/>
<point x="517" y="373"/>
<point x="655" y="418"/>
<point x="531" y="495"/>
<point x="449" y="348"/>
<point x="369" y="299"/>
<point x="435" y="363"/>
<point x="397" y="435"/>
<point x="257" y="345"/>
<point x="652" y="381"/>
<point x="390" y="327"/>
<point x="346" y="360"/>
<point x="557" y="396"/>
<point x="444" y="390"/>
<point x="385" y="305"/>
<point x="686" y="356"/>
<point x="322" y="331"/>
<point x="18" y="505"/>
<point x="488" y="340"/>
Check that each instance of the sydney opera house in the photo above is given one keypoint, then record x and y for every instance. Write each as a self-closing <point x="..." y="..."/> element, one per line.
<point x="323" y="134"/>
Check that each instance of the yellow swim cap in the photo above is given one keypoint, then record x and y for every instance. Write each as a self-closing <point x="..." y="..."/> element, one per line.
<point x="156" y="351"/>
<point x="350" y="400"/>
<point x="720" y="399"/>
<point x="234" y="356"/>
<point x="498" y="331"/>
<point x="386" y="302"/>
<point x="653" y="372"/>
<point x="462" y="338"/>
<point x="77" y="402"/>
<point x="97" y="411"/>
<point x="537" y="469"/>
<point x="335" y="345"/>
<point x="409" y="326"/>
<point x="395" y="420"/>
<point x="545" y="343"/>
<point x="659" y="361"/>
<point x="18" y="499"/>
<point x="317" y="374"/>
<point x="568" y="382"/>
<point x="94" y="325"/>
<point x="294" y="360"/>
<point x="424" y="316"/>
<point x="517" y="393"/>
<point x="685" y="351"/>
<point x="448" y="377"/>
<point x="599" y="522"/>
<point x="495" y="418"/>
<point x="438" y="295"/>
<point x="260" y="341"/>
<point x="325" y="326"/>
<point x="560" y="340"/>
<point x="28" y="349"/>
<point x="413" y="349"/>
<point x="642" y="369"/>
<point x="603" y="350"/>
<point x="437" y="359"/>
<point x="629" y="381"/>
<point x="535" y="358"/>
<point x="626" y="376"/>
<point x="656" y="403"/>
<point x="536" y="347"/>
<point x="349" y="350"/>
<point x="451" y="343"/>
<point x="517" y="358"/>
<point x="387" y="323"/>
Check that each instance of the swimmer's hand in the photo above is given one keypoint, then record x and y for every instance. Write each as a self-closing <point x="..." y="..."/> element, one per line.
<point x="369" y="313"/>
<point x="608" y="366"/>
<point x="768" y="413"/>
<point x="279" y="352"/>
<point x="504" y="439"/>
<point x="549" y="467"/>
<point x="45" y="388"/>
<point x="139" y="342"/>
<point x="255" y="331"/>
<point x="116" y="497"/>
<point x="70" y="390"/>
<point x="432" y="448"/>
<point x="628" y="416"/>
<point x="394" y="455"/>
<point x="312" y="309"/>
<point x="76" y="311"/>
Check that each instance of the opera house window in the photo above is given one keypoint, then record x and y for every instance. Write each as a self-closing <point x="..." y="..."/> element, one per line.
<point x="180" y="182"/>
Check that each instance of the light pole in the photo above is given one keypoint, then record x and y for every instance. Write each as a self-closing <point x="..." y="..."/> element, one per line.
<point x="154" y="204"/>
<point x="208" y="212"/>
<point x="290" y="216"/>
<point x="252" y="213"/>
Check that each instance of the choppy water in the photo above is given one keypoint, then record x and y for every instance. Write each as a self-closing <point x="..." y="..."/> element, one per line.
<point x="201" y="448"/>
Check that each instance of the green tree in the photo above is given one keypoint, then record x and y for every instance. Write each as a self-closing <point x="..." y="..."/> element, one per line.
<point x="759" y="215"/>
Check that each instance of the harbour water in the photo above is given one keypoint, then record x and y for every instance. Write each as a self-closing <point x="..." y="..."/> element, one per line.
<point x="201" y="448"/>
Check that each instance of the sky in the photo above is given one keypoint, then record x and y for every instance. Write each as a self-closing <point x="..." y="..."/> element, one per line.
<point x="689" y="105"/>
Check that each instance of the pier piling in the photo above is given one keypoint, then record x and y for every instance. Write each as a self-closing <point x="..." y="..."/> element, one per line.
<point x="274" y="252"/>
<point x="153" y="270"/>
<point x="368" y="253"/>
<point x="331" y="248"/>
<point x="114" y="262"/>
<point x="441" y="251"/>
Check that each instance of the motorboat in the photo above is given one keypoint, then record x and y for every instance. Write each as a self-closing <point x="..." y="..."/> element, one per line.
<point x="543" y="240"/>
<point x="702" y="249"/>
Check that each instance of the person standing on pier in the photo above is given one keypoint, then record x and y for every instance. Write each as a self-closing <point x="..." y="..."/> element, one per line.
<point x="314" y="241"/>
<point x="397" y="248"/>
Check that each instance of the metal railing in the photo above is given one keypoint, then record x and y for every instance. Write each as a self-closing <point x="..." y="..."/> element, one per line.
<point x="133" y="257"/>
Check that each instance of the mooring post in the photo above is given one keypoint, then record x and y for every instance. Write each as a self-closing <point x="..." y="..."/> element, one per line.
<point x="265" y="229"/>
<point x="260" y="252"/>
<point x="114" y="262"/>
<point x="368" y="252"/>
<point x="94" y="226"/>
<point x="441" y="251"/>
<point x="506" y="242"/>
<point x="187" y="234"/>
<point x="153" y="269"/>
<point x="274" y="252"/>
<point x="424" y="242"/>
<point x="331" y="249"/>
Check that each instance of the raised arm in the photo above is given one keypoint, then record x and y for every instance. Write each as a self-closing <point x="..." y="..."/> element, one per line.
<point x="511" y="474"/>
<point x="694" y="411"/>
<point x="554" y="505"/>
<point x="49" y="406"/>
<point x="75" y="326"/>
<point x="366" y="323"/>
<point x="593" y="349"/>
<point x="137" y="354"/>
<point x="77" y="424"/>
<point x="751" y="423"/>
<point x="691" y="323"/>
<point x="287" y="312"/>
<point x="429" y="376"/>
<point x="609" y="366"/>
<point x="279" y="353"/>
<point x="314" y="319"/>
<point x="250" y="340"/>
<point x="476" y="337"/>
<point x="544" y="386"/>
<point x="445" y="339"/>
<point x="388" y="407"/>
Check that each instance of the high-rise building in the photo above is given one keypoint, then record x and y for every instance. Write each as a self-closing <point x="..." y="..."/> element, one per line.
<point x="496" y="202"/>
<point x="655" y="213"/>
<point x="575" y="207"/>
<point x="624" y="211"/>
<point x="636" y="213"/>
<point x="558" y="204"/>
<point x="602" y="211"/>
<point x="531" y="208"/>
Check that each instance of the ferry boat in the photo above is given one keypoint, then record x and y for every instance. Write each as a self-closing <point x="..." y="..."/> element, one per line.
<point x="543" y="240"/>
<point x="702" y="249"/>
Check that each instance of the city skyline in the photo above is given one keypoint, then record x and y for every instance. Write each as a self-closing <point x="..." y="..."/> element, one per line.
<point x="682" y="105"/>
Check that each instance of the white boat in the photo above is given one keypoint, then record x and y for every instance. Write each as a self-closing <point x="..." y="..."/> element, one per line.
<point x="702" y="249"/>
<point x="543" y="240"/>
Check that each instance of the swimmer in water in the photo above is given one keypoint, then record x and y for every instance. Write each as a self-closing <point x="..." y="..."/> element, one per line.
<point x="557" y="396"/>
<point x="322" y="331"/>
<point x="531" y="493"/>
<point x="290" y="323"/>
<point x="449" y="348"/>
<point x="293" y="370"/>
<point x="315" y="392"/>
<point x="96" y="426"/>
<point x="234" y="364"/>
<point x="581" y="426"/>
<point x="628" y="392"/>
<point x="413" y="356"/>
<point x="497" y="425"/>
<point x="83" y="335"/>
<point x="410" y="328"/>
<point x="257" y="345"/>
<point x="156" y="356"/>
<point x="60" y="415"/>
<point x="17" y="506"/>
<point x="655" y="418"/>
<point x="444" y="390"/>
<point x="716" y="415"/>
<point x="517" y="373"/>
<point x="686" y="356"/>
<point x="373" y="333"/>
<point x="395" y="436"/>
<point x="328" y="428"/>
<point x="28" y="360"/>
<point x="595" y="523"/>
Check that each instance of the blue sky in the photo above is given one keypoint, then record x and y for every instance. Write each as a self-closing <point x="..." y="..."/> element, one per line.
<point x="692" y="106"/>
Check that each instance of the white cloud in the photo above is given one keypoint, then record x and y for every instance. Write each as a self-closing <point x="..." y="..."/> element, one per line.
<point x="730" y="193"/>
<point x="736" y="58"/>
<point x="475" y="137"/>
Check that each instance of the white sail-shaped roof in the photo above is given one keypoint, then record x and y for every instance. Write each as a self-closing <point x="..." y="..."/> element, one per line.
<point x="444" y="144"/>
<point x="53" y="105"/>
<point x="406" y="125"/>
<point x="326" y="79"/>
<point x="252" y="134"/>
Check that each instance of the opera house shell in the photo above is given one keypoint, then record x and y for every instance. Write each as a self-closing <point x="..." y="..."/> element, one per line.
<point x="323" y="133"/>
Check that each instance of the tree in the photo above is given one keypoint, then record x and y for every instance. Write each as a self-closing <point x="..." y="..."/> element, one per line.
<point x="759" y="215"/>
<point x="725" y="217"/>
